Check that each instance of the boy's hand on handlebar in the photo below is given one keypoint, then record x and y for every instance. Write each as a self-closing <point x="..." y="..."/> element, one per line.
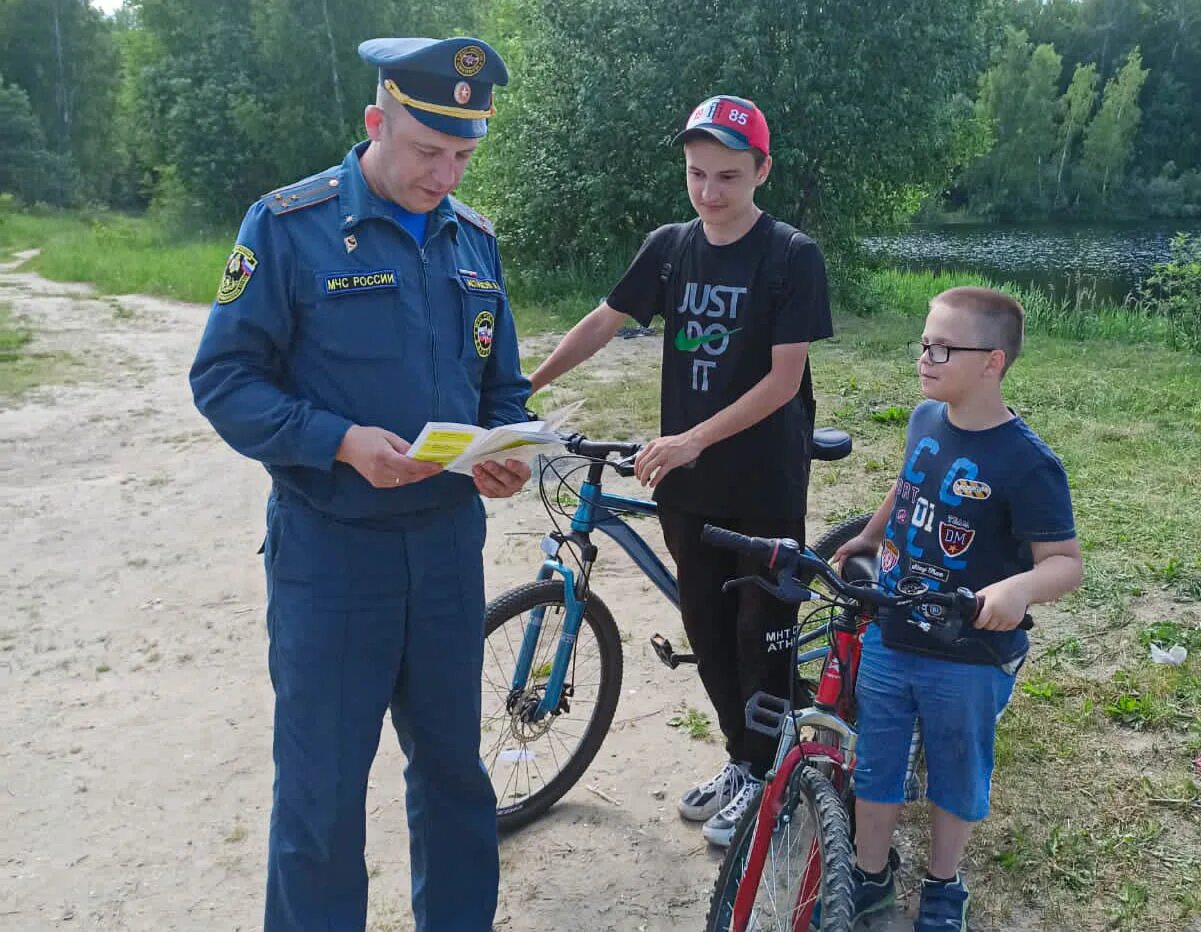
<point x="1003" y="609"/>
<point x="860" y="543"/>
<point x="662" y="455"/>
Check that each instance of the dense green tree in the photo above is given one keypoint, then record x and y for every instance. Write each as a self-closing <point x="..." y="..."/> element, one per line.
<point x="62" y="53"/>
<point x="201" y="105"/>
<point x="229" y="100"/>
<point x="1076" y="108"/>
<point x="28" y="170"/>
<point x="1019" y="104"/>
<point x="1109" y="138"/>
<point x="859" y="96"/>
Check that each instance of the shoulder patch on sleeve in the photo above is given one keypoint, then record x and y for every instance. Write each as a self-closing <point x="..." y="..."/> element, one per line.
<point x="473" y="216"/>
<point x="316" y="189"/>
<point x="238" y="268"/>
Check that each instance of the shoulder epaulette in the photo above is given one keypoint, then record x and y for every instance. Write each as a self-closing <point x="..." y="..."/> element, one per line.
<point x="473" y="216"/>
<point x="316" y="189"/>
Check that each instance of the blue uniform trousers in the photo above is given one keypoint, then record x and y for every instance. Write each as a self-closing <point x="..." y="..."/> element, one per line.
<point x="361" y="620"/>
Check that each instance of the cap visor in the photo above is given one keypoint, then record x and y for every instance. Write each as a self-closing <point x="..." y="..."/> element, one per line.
<point x="722" y="135"/>
<point x="452" y="126"/>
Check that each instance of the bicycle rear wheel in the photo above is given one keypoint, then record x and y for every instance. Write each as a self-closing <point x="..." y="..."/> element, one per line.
<point x="532" y="761"/>
<point x="806" y="861"/>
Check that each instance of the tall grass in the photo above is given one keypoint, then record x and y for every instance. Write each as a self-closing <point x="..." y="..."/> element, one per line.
<point x="119" y="254"/>
<point x="1075" y="314"/>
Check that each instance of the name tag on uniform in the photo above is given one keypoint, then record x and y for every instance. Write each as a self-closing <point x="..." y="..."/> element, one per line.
<point x="472" y="282"/>
<point x="351" y="282"/>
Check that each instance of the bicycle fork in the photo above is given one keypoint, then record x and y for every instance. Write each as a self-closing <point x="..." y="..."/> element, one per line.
<point x="769" y="714"/>
<point x="521" y="700"/>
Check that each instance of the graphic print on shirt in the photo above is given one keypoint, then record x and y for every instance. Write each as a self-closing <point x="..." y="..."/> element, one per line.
<point x="929" y="521"/>
<point x="708" y="317"/>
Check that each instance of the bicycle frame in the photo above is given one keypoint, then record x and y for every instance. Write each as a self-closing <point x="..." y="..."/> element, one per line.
<point x="596" y="511"/>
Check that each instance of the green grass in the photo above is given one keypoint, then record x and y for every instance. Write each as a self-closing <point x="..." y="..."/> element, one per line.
<point x="21" y="368"/>
<point x="1078" y="818"/>
<point x="119" y="255"/>
<point x="693" y="723"/>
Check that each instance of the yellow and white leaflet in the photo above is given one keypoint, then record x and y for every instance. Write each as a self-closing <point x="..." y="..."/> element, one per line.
<point x="459" y="447"/>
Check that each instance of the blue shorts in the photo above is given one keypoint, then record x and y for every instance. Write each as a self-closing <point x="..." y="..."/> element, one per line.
<point x="957" y="706"/>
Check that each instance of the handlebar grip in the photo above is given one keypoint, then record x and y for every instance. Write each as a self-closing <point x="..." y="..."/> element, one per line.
<point x="758" y="547"/>
<point x="1025" y="624"/>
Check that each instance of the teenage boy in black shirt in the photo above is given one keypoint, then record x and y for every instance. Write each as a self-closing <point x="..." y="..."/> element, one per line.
<point x="742" y="295"/>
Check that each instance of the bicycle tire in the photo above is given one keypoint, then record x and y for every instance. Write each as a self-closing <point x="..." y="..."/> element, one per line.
<point x="515" y="809"/>
<point x="827" y="814"/>
<point x="827" y="545"/>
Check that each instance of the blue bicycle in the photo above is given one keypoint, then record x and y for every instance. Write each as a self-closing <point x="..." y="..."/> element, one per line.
<point x="552" y="657"/>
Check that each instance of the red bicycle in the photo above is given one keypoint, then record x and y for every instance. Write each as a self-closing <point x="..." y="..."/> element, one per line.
<point x="793" y="848"/>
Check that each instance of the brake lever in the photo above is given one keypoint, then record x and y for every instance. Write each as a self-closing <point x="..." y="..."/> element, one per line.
<point x="789" y="591"/>
<point x="771" y="589"/>
<point x="752" y="580"/>
<point x="625" y="466"/>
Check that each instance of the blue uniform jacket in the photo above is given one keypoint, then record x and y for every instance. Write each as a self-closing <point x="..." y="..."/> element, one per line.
<point x="330" y="314"/>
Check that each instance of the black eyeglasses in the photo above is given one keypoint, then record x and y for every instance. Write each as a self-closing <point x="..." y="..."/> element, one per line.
<point x="940" y="352"/>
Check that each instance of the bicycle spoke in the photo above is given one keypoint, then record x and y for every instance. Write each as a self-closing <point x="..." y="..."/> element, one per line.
<point x="782" y="899"/>
<point x="526" y="750"/>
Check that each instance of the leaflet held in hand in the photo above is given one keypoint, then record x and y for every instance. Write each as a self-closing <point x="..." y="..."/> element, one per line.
<point x="459" y="447"/>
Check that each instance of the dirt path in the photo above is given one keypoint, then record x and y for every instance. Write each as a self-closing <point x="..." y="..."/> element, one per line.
<point x="135" y="766"/>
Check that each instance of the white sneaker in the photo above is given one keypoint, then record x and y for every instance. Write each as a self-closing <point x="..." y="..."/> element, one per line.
<point x="706" y="799"/>
<point x="719" y="829"/>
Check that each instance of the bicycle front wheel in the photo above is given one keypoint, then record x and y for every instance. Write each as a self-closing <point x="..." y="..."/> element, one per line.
<point x="533" y="759"/>
<point x="805" y="863"/>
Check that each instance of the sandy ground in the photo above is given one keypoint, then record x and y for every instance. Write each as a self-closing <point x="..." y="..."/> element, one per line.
<point x="135" y="765"/>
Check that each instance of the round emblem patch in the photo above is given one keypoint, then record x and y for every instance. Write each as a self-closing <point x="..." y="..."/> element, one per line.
<point x="485" y="324"/>
<point x="462" y="92"/>
<point x="469" y="61"/>
<point x="238" y="269"/>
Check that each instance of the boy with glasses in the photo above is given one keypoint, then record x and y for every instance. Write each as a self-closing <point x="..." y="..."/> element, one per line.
<point x="981" y="502"/>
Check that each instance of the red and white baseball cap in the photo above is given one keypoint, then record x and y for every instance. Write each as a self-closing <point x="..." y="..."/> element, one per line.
<point x="733" y="121"/>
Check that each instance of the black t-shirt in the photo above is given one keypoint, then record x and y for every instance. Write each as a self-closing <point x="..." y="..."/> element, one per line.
<point x="723" y="311"/>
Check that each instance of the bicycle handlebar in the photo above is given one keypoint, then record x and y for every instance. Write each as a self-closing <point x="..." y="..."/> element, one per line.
<point x="762" y="549"/>
<point x="784" y="557"/>
<point x="599" y="449"/>
<point x="580" y="445"/>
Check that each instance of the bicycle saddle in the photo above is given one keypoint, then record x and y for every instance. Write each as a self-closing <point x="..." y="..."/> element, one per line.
<point x="862" y="567"/>
<point x="830" y="443"/>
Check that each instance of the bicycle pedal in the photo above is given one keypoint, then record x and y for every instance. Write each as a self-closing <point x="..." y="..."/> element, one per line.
<point x="765" y="713"/>
<point x="664" y="651"/>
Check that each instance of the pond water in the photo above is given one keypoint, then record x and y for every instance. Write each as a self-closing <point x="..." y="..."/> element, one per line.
<point x="1109" y="258"/>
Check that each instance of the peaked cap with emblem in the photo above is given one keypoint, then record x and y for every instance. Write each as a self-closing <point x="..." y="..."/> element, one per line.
<point x="445" y="83"/>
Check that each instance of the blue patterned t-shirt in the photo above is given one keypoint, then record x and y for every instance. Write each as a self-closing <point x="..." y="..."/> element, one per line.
<point x="968" y="505"/>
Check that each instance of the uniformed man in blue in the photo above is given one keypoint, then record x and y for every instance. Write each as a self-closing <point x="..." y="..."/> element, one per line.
<point x="357" y="305"/>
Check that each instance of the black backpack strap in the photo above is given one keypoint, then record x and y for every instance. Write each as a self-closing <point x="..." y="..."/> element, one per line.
<point x="780" y="249"/>
<point x="677" y="238"/>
